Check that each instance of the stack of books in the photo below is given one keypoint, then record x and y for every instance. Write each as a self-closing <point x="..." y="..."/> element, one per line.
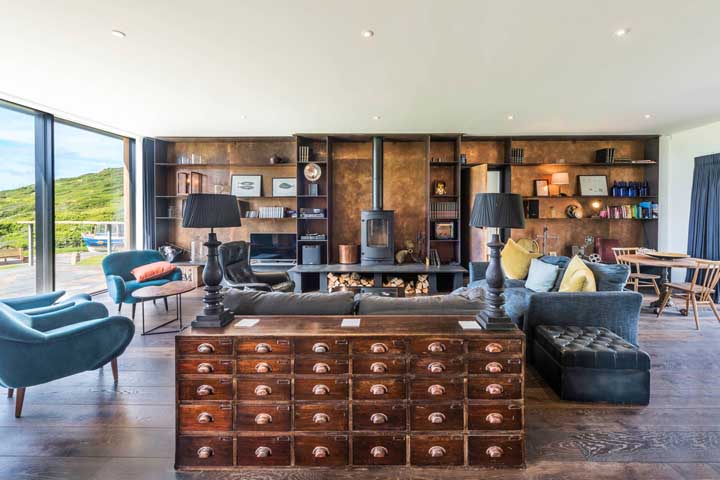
<point x="272" y="212"/>
<point x="303" y="154"/>
<point x="443" y="210"/>
<point x="643" y="211"/>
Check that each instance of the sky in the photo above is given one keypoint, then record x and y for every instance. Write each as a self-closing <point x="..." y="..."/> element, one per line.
<point x="77" y="151"/>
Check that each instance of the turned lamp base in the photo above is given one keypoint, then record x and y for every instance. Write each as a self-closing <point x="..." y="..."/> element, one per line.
<point x="214" y="314"/>
<point x="494" y="323"/>
<point x="213" y="321"/>
<point x="493" y="317"/>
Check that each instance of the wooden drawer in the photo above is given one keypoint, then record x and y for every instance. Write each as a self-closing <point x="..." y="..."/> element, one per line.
<point x="496" y="450"/>
<point x="435" y="366"/>
<point x="263" y="366"/>
<point x="321" y="345"/>
<point x="263" y="418"/>
<point x="321" y="450"/>
<point x="437" y="417"/>
<point x="491" y="387"/>
<point x="379" y="450"/>
<point x="379" y="346"/>
<point x="495" y="347"/>
<point x="263" y="451"/>
<point x="263" y="346"/>
<point x="204" y="451"/>
<point x="379" y="416"/>
<point x="204" y="366"/>
<point x="202" y="418"/>
<point x="379" y="388"/>
<point x="321" y="364"/>
<point x="438" y="389"/>
<point x="438" y="346"/>
<point x="321" y="388"/>
<point x="325" y="417"/>
<point x="494" y="366"/>
<point x="437" y="450"/>
<point x="205" y="346"/>
<point x="271" y="389"/>
<point x="378" y="366"/>
<point x="496" y="416"/>
<point x="211" y="388"/>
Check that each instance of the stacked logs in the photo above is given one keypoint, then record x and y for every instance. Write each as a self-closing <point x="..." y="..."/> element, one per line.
<point x="421" y="287"/>
<point x="348" y="280"/>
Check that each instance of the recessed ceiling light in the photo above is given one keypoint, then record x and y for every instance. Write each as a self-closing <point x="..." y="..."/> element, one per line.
<point x="621" y="32"/>
<point x="510" y="117"/>
<point x="376" y="117"/>
<point x="118" y="33"/>
<point x="647" y="115"/>
<point x="367" y="33"/>
<point x="244" y="117"/>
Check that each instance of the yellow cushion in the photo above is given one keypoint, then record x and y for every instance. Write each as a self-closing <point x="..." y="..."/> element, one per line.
<point x="516" y="260"/>
<point x="578" y="277"/>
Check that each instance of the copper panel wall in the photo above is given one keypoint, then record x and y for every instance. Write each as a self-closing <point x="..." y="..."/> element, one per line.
<point x="481" y="151"/>
<point x="577" y="151"/>
<point x="523" y="178"/>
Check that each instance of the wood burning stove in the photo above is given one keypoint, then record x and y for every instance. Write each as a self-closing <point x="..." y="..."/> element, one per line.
<point x="376" y="225"/>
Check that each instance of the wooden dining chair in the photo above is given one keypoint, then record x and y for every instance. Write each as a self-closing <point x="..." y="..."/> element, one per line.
<point x="697" y="292"/>
<point x="637" y="279"/>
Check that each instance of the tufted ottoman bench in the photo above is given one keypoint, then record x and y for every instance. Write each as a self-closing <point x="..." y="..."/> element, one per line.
<point x="591" y="364"/>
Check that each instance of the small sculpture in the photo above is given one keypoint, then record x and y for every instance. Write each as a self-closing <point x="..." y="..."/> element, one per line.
<point x="408" y="253"/>
<point x="275" y="159"/>
<point x="440" y="187"/>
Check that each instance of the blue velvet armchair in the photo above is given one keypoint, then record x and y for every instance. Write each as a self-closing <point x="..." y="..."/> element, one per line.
<point x="45" y="302"/>
<point x="39" y="349"/>
<point x="120" y="281"/>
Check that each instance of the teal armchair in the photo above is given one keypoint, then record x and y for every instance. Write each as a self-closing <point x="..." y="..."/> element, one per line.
<point x="44" y="302"/>
<point x="39" y="349"/>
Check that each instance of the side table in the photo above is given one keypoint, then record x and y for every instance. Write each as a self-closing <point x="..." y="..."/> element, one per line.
<point x="170" y="289"/>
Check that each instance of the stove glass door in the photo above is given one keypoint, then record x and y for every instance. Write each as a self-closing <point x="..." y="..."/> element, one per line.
<point x="377" y="232"/>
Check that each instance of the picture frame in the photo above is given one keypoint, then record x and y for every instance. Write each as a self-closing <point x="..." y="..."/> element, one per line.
<point x="593" y="185"/>
<point x="440" y="188"/>
<point x="284" y="187"/>
<point x="246" y="185"/>
<point x="541" y="188"/>
<point x="445" y="231"/>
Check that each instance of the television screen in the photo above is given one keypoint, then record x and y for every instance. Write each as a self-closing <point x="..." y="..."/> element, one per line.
<point x="272" y="246"/>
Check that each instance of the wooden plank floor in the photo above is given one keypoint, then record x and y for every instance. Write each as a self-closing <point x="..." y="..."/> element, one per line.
<point x="83" y="427"/>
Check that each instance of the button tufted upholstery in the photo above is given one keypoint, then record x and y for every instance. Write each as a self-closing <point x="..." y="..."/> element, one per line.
<point x="590" y="347"/>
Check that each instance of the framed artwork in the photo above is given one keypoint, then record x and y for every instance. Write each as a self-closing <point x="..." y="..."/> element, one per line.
<point x="284" y="187"/>
<point x="246" y="185"/>
<point x="444" y="231"/>
<point x="593" y="185"/>
<point x="541" y="188"/>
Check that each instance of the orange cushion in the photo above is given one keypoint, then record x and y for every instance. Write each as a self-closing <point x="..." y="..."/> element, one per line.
<point x="152" y="271"/>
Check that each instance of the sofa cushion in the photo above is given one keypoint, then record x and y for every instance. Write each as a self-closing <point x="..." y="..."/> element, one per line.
<point x="609" y="277"/>
<point x="248" y="302"/>
<point x="516" y="260"/>
<point x="577" y="277"/>
<point x="509" y="283"/>
<point x="542" y="276"/>
<point x="461" y="302"/>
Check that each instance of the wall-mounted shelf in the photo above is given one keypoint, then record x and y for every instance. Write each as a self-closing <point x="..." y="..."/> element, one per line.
<point x="586" y="197"/>
<point x="217" y="165"/>
<point x="580" y="164"/>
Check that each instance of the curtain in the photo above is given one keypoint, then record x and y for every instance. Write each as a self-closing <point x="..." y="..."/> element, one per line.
<point x="149" y="193"/>
<point x="704" y="229"/>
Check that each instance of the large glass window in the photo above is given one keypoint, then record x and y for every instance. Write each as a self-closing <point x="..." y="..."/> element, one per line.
<point x="17" y="202"/>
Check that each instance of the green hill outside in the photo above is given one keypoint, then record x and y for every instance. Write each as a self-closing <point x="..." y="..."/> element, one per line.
<point x="94" y="196"/>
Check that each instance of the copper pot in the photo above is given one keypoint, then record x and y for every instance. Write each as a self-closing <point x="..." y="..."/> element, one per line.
<point x="348" y="254"/>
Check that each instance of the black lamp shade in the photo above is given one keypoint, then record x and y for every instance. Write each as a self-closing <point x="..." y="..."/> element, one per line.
<point x="498" y="210"/>
<point x="207" y="210"/>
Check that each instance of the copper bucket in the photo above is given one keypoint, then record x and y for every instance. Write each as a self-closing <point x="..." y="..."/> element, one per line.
<point x="348" y="254"/>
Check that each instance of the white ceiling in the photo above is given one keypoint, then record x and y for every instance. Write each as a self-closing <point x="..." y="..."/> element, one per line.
<point x="196" y="68"/>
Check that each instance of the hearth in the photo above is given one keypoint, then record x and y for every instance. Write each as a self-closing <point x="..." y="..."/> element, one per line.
<point x="376" y="225"/>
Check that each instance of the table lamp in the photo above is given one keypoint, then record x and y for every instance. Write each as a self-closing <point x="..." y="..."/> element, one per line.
<point x="205" y="210"/>
<point x="559" y="179"/>
<point x="496" y="210"/>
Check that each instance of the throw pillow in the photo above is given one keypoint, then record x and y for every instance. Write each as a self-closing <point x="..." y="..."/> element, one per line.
<point x="578" y="277"/>
<point x="151" y="271"/>
<point x="516" y="260"/>
<point x="541" y="276"/>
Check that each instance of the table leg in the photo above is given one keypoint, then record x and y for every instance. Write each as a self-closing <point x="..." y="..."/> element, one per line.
<point x="178" y="318"/>
<point x="665" y="279"/>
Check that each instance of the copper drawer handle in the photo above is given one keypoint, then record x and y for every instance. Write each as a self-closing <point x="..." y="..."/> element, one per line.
<point x="436" y="417"/>
<point x="321" y="368"/>
<point x="436" y="367"/>
<point x="205" y="390"/>
<point x="436" y="390"/>
<point x="263" y="419"/>
<point x="320" y="452"/>
<point x="437" y="451"/>
<point x="205" y="417"/>
<point x="494" y="452"/>
<point x="379" y="452"/>
<point x="494" y="418"/>
<point x="321" y="348"/>
<point x="205" y="452"/>
<point x="263" y="348"/>
<point x="320" y="389"/>
<point x="263" y="367"/>
<point x="205" y="368"/>
<point x="378" y="389"/>
<point x="494" y="367"/>
<point x="263" y="452"/>
<point x="321" y="418"/>
<point x="378" y="418"/>
<point x="494" y="389"/>
<point x="378" y="367"/>
<point x="206" y="348"/>
<point x="263" y="390"/>
<point x="379" y="348"/>
<point x="493" y="348"/>
<point x="436" y="347"/>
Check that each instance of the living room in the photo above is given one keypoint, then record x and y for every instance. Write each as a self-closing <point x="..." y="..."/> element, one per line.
<point x="407" y="239"/>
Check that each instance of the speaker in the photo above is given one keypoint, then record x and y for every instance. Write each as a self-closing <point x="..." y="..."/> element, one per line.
<point x="311" y="255"/>
<point x="532" y="208"/>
